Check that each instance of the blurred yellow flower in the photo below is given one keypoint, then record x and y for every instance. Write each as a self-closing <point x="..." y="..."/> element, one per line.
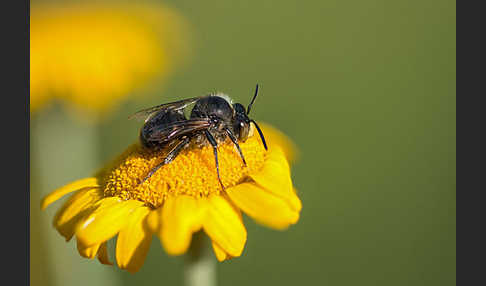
<point x="93" y="55"/>
<point x="181" y="198"/>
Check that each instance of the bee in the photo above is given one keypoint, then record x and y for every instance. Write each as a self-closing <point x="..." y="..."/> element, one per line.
<point x="212" y="120"/>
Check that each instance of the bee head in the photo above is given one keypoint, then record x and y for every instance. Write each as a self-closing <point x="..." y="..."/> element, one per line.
<point x="241" y="122"/>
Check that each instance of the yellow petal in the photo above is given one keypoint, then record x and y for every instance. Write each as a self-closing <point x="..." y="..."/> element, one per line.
<point x="296" y="192"/>
<point x="275" y="178"/>
<point x="223" y="224"/>
<point x="133" y="241"/>
<point x="71" y="187"/>
<point x="221" y="255"/>
<point x="276" y="138"/>
<point x="75" y="209"/>
<point x="154" y="220"/>
<point x="263" y="206"/>
<point x="103" y="254"/>
<point x="181" y="217"/>
<point x="87" y="251"/>
<point x="106" y="221"/>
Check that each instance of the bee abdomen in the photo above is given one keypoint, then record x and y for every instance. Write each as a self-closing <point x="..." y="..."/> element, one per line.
<point x="160" y="120"/>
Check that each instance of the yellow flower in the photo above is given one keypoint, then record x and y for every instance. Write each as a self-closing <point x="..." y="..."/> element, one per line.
<point x="92" y="55"/>
<point x="181" y="198"/>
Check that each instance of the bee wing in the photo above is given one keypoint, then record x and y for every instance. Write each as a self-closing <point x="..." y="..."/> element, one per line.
<point x="145" y="114"/>
<point x="177" y="129"/>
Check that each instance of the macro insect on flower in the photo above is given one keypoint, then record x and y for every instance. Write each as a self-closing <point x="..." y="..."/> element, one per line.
<point x="213" y="119"/>
<point x="184" y="175"/>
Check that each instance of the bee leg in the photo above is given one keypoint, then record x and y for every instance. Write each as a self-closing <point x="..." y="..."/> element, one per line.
<point x="213" y="143"/>
<point x="235" y="141"/>
<point x="170" y="156"/>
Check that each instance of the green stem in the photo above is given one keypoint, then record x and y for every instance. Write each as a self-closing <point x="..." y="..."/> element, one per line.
<point x="200" y="268"/>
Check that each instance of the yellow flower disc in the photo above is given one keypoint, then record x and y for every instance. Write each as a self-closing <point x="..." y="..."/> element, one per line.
<point x="192" y="172"/>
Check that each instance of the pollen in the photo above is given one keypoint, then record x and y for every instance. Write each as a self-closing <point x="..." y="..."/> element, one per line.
<point x="192" y="172"/>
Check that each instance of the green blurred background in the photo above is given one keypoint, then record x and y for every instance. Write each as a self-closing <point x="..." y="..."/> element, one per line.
<point x="366" y="89"/>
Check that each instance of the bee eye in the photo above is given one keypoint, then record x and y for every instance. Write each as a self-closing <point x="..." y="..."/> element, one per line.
<point x="243" y="130"/>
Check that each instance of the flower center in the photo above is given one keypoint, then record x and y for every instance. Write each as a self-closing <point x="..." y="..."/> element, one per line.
<point x="192" y="172"/>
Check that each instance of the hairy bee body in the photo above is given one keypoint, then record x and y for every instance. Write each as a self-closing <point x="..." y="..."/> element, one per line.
<point x="213" y="119"/>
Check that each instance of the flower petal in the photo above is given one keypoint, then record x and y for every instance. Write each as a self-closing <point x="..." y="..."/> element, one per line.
<point x="276" y="138"/>
<point x="106" y="221"/>
<point x="103" y="254"/>
<point x="154" y="220"/>
<point x="87" y="251"/>
<point x="264" y="207"/>
<point x="224" y="225"/>
<point x="275" y="178"/>
<point x="71" y="187"/>
<point x="181" y="217"/>
<point x="221" y="255"/>
<point x="74" y="209"/>
<point x="133" y="241"/>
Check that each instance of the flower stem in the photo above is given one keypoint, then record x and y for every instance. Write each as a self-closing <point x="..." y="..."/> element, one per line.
<point x="200" y="268"/>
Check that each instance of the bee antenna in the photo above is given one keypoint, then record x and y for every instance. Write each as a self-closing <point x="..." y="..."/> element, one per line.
<point x="253" y="100"/>
<point x="261" y="134"/>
